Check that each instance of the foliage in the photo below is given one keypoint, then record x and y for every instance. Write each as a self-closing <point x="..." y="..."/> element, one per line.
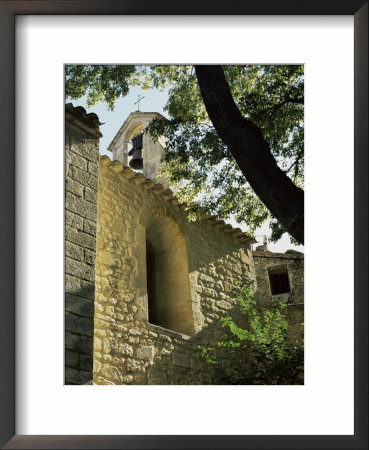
<point x="260" y="352"/>
<point x="210" y="181"/>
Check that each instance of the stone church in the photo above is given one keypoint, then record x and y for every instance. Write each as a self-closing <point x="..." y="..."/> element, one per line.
<point x="144" y="286"/>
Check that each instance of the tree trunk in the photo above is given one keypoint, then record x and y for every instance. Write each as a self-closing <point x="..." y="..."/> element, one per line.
<point x="251" y="152"/>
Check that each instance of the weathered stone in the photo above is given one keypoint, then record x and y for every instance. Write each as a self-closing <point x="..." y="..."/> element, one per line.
<point x="89" y="257"/>
<point x="77" y="324"/>
<point x="76" y="160"/>
<point x="80" y="206"/>
<point x="74" y="187"/>
<point x="79" y="269"/>
<point x="145" y="352"/>
<point x="80" y="238"/>
<point x="134" y="332"/>
<point x="87" y="179"/>
<point x="78" y="305"/>
<point x="133" y="365"/>
<point x="125" y="349"/>
<point x="74" y="251"/>
<point x="89" y="227"/>
<point x="97" y="366"/>
<point x="110" y="345"/>
<point x="93" y="167"/>
<point x="87" y="150"/>
<point x="90" y="195"/>
<point x="72" y="359"/>
<point x="157" y="377"/>
<point x="181" y="360"/>
<point x="128" y="379"/>
<point x="86" y="362"/>
<point x="74" y="376"/>
<point x="73" y="220"/>
<point x="97" y="344"/>
<point x="82" y="344"/>
<point x="111" y="372"/>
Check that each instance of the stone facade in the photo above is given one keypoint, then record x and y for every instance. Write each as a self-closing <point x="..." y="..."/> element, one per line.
<point x="81" y="182"/>
<point x="145" y="287"/>
<point x="127" y="347"/>
<point x="292" y="264"/>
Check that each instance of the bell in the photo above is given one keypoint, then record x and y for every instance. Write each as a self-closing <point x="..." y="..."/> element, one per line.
<point x="136" y="162"/>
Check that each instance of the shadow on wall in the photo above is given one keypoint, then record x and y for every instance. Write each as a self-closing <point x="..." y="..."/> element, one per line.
<point x="79" y="330"/>
<point x="158" y="356"/>
<point x="146" y="245"/>
<point x="182" y="362"/>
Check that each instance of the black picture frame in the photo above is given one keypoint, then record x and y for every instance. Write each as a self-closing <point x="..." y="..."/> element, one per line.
<point x="8" y="11"/>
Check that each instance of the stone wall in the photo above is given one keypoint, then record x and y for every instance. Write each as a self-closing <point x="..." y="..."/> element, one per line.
<point x="295" y="267"/>
<point x="81" y="191"/>
<point x="127" y="348"/>
<point x="294" y="263"/>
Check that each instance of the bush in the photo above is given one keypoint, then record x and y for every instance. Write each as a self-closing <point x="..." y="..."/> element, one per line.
<point x="260" y="352"/>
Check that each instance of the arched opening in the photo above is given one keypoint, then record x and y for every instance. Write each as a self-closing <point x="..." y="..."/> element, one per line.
<point x="168" y="287"/>
<point x="133" y="131"/>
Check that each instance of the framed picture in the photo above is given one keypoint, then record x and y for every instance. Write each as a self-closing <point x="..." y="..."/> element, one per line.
<point x="200" y="418"/>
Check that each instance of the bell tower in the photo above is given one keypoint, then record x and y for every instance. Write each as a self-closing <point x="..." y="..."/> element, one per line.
<point x="133" y="146"/>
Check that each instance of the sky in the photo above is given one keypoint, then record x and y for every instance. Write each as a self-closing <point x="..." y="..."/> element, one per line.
<point x="154" y="101"/>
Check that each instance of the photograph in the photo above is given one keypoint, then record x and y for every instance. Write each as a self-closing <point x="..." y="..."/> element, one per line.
<point x="184" y="224"/>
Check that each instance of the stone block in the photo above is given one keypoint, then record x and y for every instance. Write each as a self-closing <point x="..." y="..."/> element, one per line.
<point x="89" y="257"/>
<point x="73" y="251"/>
<point x="73" y="376"/>
<point x="97" y="366"/>
<point x="72" y="284"/>
<point x="73" y="220"/>
<point x="80" y="238"/>
<point x="97" y="344"/>
<point x="90" y="195"/>
<point x="128" y="379"/>
<point x="89" y="226"/>
<point x="81" y="344"/>
<point x="76" y="160"/>
<point x="86" y="362"/>
<point x="133" y="365"/>
<point x="134" y="332"/>
<point x="87" y="289"/>
<point x="110" y="345"/>
<point x="79" y="269"/>
<point x="180" y="359"/>
<point x="157" y="377"/>
<point x="72" y="359"/>
<point x="93" y="168"/>
<point x="77" y="324"/>
<point x="79" y="306"/>
<point x="111" y="372"/>
<point x="88" y="150"/>
<point x="74" y="187"/>
<point x="80" y="206"/>
<point x="85" y="178"/>
<point x="145" y="352"/>
<point x="125" y="349"/>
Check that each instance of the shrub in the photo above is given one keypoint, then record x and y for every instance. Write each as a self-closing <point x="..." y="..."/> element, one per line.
<point x="259" y="352"/>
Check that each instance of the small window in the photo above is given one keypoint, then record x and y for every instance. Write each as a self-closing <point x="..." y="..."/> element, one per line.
<point x="278" y="278"/>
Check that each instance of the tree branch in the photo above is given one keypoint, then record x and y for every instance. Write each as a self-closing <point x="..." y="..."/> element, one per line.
<point x="251" y="152"/>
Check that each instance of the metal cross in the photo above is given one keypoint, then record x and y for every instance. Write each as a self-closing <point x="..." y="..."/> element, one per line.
<point x="138" y="101"/>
